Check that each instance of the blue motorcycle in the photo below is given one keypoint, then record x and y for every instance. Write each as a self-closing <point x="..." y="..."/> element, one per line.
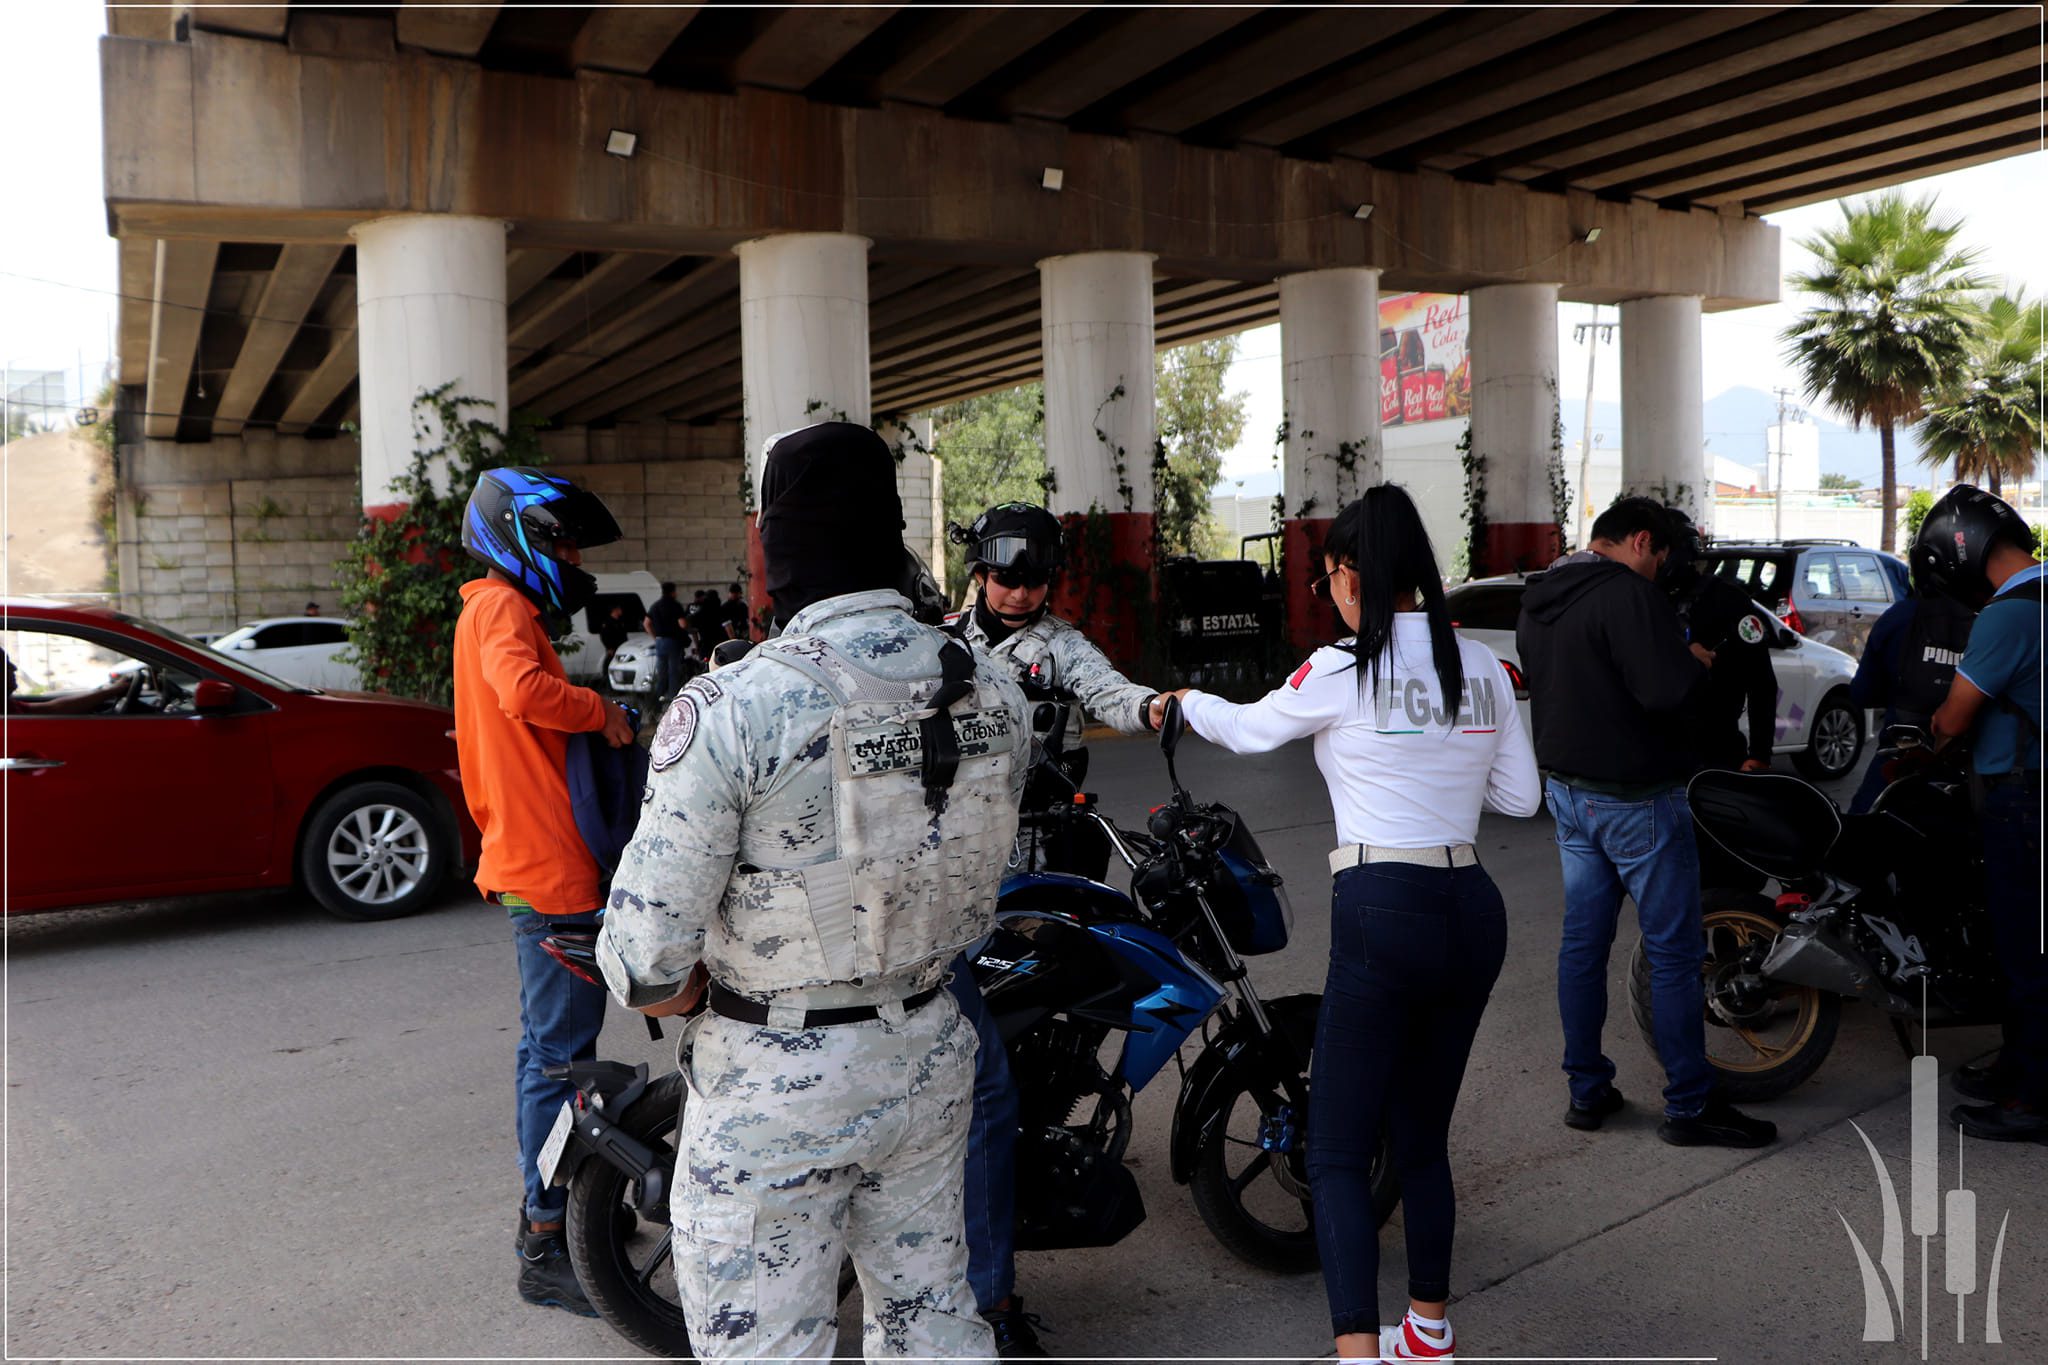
<point x="1094" y="992"/>
<point x="1074" y="961"/>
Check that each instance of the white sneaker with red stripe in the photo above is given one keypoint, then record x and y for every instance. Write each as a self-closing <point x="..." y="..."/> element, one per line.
<point x="1406" y="1341"/>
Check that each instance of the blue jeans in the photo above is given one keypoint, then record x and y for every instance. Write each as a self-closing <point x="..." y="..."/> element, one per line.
<point x="991" y="1202"/>
<point x="1414" y="953"/>
<point x="559" y="1017"/>
<point x="2011" y="825"/>
<point x="668" y="666"/>
<point x="1609" y="846"/>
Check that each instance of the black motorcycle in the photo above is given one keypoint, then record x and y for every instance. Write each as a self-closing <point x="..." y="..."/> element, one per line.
<point x="1886" y="908"/>
<point x="1094" y="993"/>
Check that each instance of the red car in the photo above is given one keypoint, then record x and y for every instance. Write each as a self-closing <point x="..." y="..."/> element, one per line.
<point x="197" y="772"/>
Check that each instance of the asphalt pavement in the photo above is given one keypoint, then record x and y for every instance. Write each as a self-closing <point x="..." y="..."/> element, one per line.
<point x="236" y="1127"/>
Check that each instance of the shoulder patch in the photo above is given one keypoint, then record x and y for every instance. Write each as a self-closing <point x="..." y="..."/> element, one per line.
<point x="672" y="737"/>
<point x="1301" y="674"/>
<point x="707" y="689"/>
<point x="1749" y="629"/>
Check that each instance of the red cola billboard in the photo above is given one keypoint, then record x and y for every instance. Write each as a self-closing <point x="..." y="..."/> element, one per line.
<point x="1425" y="369"/>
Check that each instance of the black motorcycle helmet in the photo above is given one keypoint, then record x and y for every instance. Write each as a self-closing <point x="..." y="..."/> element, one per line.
<point x="516" y="518"/>
<point x="1957" y="538"/>
<point x="1681" y="570"/>
<point x="1014" y="538"/>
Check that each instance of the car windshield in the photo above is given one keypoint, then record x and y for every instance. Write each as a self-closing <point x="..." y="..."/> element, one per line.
<point x="211" y="653"/>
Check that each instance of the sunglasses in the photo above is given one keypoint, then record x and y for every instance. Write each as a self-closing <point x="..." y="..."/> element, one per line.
<point x="1323" y="588"/>
<point x="1020" y="578"/>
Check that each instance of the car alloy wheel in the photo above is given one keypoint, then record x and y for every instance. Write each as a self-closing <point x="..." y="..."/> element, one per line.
<point x="379" y="854"/>
<point x="1834" y="738"/>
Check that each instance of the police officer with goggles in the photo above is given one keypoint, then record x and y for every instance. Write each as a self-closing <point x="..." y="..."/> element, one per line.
<point x="1013" y="551"/>
<point x="1977" y="549"/>
<point x="826" y="824"/>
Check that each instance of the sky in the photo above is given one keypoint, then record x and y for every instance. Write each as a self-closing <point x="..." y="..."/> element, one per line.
<point x="53" y="227"/>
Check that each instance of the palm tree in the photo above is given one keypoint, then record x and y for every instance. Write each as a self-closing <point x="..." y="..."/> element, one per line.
<point x="1988" y="419"/>
<point x="1892" y="315"/>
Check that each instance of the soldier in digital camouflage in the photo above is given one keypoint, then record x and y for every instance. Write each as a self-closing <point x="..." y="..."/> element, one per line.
<point x="827" y="822"/>
<point x="1013" y="551"/>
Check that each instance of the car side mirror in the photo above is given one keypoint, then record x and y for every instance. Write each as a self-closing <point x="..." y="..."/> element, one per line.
<point x="245" y="644"/>
<point x="211" y="694"/>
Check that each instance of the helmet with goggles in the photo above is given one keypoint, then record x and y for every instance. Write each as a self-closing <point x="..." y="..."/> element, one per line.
<point x="1014" y="542"/>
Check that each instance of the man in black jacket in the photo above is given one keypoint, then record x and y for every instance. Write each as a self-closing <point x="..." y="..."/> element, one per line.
<point x="1610" y="680"/>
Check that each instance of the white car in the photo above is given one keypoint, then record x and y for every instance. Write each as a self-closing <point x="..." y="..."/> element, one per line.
<point x="633" y="593"/>
<point x="297" y="649"/>
<point x="1817" y="723"/>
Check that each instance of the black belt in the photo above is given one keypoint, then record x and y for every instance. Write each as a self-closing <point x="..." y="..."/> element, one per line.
<point x="731" y="1005"/>
<point x="2019" y="777"/>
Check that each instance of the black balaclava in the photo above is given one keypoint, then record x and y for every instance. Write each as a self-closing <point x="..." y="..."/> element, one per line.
<point x="998" y="628"/>
<point x="831" y="522"/>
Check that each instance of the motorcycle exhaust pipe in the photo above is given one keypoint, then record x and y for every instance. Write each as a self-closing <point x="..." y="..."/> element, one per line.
<point x="1807" y="954"/>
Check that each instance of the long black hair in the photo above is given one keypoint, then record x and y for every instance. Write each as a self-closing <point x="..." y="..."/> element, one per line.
<point x="1381" y="535"/>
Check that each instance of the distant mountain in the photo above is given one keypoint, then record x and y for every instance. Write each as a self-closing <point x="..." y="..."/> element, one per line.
<point x="1737" y="426"/>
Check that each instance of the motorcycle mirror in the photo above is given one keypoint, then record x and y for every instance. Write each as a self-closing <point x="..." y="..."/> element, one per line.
<point x="1903" y="737"/>
<point x="1172" y="724"/>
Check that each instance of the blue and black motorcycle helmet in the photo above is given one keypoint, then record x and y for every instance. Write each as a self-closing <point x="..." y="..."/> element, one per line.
<point x="516" y="518"/>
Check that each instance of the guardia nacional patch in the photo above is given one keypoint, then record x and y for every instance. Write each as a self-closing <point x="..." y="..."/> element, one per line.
<point x="672" y="737"/>
<point x="1750" y="630"/>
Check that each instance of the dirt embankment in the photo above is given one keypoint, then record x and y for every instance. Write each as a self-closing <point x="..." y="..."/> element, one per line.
<point x="54" y="486"/>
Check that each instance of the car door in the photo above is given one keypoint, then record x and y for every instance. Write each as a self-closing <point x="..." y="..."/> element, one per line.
<point x="1817" y="593"/>
<point x="1792" y="663"/>
<point x="153" y="802"/>
<point x="280" y="650"/>
<point x="323" y="643"/>
<point x="1865" y="595"/>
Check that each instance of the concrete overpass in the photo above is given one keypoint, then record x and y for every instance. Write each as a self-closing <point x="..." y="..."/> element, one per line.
<point x="872" y="211"/>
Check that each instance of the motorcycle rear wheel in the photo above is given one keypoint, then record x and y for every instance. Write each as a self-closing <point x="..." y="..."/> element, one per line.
<point x="1761" y="1041"/>
<point x="1245" y="1195"/>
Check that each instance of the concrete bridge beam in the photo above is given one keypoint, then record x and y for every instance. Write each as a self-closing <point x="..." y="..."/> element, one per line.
<point x="1096" y="334"/>
<point x="1330" y="402"/>
<point x="1515" y="435"/>
<point x="430" y="307"/>
<point x="1663" y="437"/>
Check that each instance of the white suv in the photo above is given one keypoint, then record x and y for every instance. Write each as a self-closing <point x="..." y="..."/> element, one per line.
<point x="1817" y="723"/>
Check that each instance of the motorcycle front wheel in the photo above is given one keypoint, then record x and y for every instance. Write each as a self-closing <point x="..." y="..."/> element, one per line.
<point x="1252" y="1191"/>
<point x="1764" y="1037"/>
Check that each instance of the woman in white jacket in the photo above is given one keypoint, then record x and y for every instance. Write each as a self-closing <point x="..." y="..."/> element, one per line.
<point x="1415" y="730"/>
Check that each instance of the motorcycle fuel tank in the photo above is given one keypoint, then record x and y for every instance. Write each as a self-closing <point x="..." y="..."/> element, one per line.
<point x="1068" y="945"/>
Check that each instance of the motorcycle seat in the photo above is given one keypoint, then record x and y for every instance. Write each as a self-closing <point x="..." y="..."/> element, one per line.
<point x="1772" y="822"/>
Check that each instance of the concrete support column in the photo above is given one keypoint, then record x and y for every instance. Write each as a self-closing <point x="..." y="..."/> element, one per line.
<point x="1100" y="423"/>
<point x="803" y="349"/>
<point x="1330" y="384"/>
<point x="1663" y="437"/>
<point x="430" y="309"/>
<point x="1514" y="425"/>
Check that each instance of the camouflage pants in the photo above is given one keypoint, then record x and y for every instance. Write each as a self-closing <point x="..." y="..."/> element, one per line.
<point x="800" y="1146"/>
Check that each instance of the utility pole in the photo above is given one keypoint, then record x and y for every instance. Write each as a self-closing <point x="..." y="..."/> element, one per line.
<point x="1776" y="462"/>
<point x="1592" y="332"/>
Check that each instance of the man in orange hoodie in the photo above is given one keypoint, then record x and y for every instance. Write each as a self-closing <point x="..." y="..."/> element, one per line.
<point x="514" y="712"/>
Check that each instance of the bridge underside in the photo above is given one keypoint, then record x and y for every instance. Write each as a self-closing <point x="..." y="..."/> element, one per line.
<point x="1234" y="144"/>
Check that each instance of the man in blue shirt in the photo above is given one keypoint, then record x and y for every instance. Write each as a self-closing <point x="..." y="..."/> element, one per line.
<point x="1979" y="550"/>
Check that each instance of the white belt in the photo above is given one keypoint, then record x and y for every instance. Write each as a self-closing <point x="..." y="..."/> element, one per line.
<point x="1437" y="855"/>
